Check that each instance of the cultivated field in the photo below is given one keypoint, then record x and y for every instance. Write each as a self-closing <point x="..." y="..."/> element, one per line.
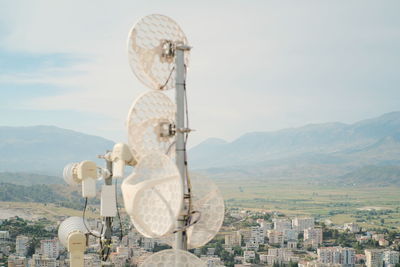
<point x="372" y="207"/>
<point x="31" y="211"/>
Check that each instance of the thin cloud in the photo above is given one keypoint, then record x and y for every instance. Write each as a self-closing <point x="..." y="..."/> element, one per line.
<point x="259" y="66"/>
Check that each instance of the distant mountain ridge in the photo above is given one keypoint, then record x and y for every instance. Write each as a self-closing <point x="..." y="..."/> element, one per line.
<point x="46" y="149"/>
<point x="27" y="179"/>
<point x="387" y="175"/>
<point x="316" y="150"/>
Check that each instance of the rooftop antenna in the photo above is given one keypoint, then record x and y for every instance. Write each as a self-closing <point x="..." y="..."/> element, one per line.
<point x="150" y="121"/>
<point x="153" y="195"/>
<point x="207" y="212"/>
<point x="158" y="53"/>
<point x="159" y="196"/>
<point x="72" y="233"/>
<point x="86" y="173"/>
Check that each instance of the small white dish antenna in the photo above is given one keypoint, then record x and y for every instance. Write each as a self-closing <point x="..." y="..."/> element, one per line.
<point x="150" y="124"/>
<point x="173" y="257"/>
<point x="72" y="234"/>
<point x="208" y="212"/>
<point x="84" y="173"/>
<point x="151" y="50"/>
<point x="70" y="225"/>
<point x="153" y="195"/>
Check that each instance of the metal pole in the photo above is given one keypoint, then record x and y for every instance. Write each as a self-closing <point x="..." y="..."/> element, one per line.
<point x="181" y="237"/>
<point x="107" y="232"/>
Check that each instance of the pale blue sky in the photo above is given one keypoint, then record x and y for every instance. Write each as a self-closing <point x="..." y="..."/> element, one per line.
<point x="255" y="66"/>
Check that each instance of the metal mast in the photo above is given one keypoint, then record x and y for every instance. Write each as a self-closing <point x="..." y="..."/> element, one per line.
<point x="180" y="146"/>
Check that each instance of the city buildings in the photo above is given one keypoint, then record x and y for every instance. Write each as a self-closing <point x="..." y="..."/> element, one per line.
<point x="50" y="248"/>
<point x="249" y="255"/>
<point x="275" y="237"/>
<point x="246" y="234"/>
<point x="291" y="244"/>
<point x="383" y="242"/>
<point x="39" y="260"/>
<point x="374" y="257"/>
<point x="4" y="235"/>
<point x="290" y="234"/>
<point x="257" y="234"/>
<point x="16" y="261"/>
<point x="265" y="225"/>
<point x="282" y="224"/>
<point x="391" y="258"/>
<point x="92" y="260"/>
<point x="313" y="237"/>
<point x="252" y="245"/>
<point x="21" y="245"/>
<point x="381" y="258"/>
<point x="233" y="239"/>
<point x="243" y="246"/>
<point x="352" y="227"/>
<point x="337" y="255"/>
<point x="5" y="243"/>
<point x="211" y="261"/>
<point x="302" y="223"/>
<point x="280" y="256"/>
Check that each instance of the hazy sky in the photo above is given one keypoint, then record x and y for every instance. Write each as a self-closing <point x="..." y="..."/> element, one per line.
<point x="255" y="65"/>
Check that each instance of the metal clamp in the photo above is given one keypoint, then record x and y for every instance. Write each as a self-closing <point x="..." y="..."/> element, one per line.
<point x="184" y="130"/>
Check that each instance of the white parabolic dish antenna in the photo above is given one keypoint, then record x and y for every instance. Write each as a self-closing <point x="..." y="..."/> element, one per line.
<point x="70" y="177"/>
<point x="209" y="204"/>
<point x="207" y="199"/>
<point x="151" y="53"/>
<point x="72" y="224"/>
<point x="173" y="257"/>
<point x="148" y="120"/>
<point x="153" y="195"/>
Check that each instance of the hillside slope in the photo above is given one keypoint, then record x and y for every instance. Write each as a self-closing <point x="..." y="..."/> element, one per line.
<point x="24" y="178"/>
<point x="46" y="149"/>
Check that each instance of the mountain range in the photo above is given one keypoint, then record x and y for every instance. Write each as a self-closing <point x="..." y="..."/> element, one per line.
<point x="313" y="151"/>
<point x="316" y="151"/>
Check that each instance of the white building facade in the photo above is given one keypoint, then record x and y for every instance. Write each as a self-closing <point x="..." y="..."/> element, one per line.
<point x="302" y="223"/>
<point x="50" y="248"/>
<point x="21" y="245"/>
<point x="313" y="237"/>
<point x="337" y="255"/>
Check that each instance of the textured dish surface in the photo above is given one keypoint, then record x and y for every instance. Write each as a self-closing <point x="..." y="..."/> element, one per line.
<point x="145" y="49"/>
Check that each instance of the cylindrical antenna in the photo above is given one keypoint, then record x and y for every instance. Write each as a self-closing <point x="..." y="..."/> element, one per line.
<point x="181" y="237"/>
<point x="72" y="234"/>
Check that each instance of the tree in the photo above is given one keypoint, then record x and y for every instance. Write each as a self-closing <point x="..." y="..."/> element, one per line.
<point x="335" y="234"/>
<point x="158" y="247"/>
<point x="237" y="251"/>
<point x="32" y="245"/>
<point x="218" y="248"/>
